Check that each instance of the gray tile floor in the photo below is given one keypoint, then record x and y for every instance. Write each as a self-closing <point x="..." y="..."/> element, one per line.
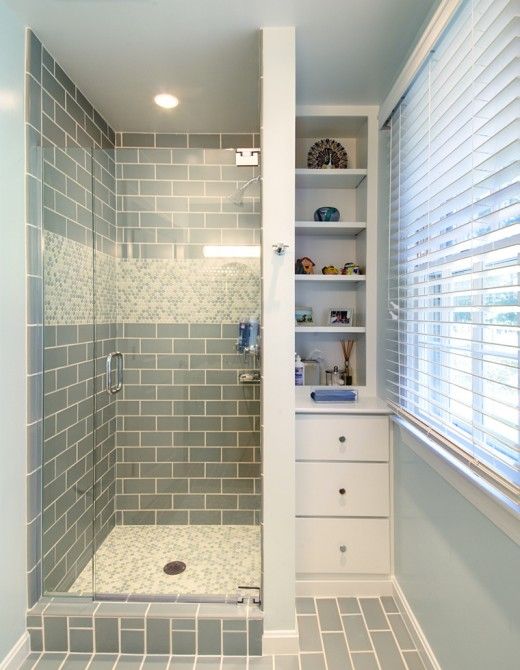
<point x="335" y="634"/>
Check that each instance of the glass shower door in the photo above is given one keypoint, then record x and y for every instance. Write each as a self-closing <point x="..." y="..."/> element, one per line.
<point x="68" y="401"/>
<point x="108" y="381"/>
<point x="187" y="471"/>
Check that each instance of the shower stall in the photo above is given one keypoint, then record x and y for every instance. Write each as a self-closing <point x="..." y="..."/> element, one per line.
<point x="151" y="454"/>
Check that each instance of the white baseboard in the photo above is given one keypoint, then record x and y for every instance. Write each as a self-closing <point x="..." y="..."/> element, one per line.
<point x="417" y="633"/>
<point x="280" y="642"/>
<point x="18" y="653"/>
<point x="320" y="588"/>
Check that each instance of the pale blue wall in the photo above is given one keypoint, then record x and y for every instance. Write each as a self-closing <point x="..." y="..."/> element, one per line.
<point x="12" y="333"/>
<point x="459" y="572"/>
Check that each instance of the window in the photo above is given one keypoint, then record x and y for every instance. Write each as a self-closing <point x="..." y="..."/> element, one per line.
<point x="454" y="244"/>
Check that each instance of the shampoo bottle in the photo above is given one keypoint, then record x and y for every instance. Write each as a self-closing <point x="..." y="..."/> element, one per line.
<point x="253" y="331"/>
<point x="298" y="371"/>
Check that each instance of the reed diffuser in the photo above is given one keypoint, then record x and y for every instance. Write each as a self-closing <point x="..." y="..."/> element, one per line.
<point x="347" y="346"/>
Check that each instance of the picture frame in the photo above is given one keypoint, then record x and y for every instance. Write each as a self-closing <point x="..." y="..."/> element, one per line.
<point x="303" y="316"/>
<point x="340" y="316"/>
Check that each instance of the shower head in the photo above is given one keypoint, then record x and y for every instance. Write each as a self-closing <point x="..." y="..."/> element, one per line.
<point x="237" y="198"/>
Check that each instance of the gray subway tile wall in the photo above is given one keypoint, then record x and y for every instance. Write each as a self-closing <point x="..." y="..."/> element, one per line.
<point x="70" y="172"/>
<point x="172" y="439"/>
<point x="186" y="427"/>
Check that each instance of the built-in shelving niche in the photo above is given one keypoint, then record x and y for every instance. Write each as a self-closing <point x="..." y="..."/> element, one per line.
<point x="332" y="243"/>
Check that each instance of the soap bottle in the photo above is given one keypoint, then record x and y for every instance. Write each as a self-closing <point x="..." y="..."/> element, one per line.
<point x="253" y="331"/>
<point x="298" y="371"/>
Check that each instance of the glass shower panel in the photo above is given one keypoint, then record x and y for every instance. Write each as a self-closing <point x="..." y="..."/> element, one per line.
<point x="186" y="511"/>
<point x="105" y="313"/>
<point x="68" y="403"/>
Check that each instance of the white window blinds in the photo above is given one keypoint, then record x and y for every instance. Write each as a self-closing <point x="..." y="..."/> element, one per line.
<point x="454" y="243"/>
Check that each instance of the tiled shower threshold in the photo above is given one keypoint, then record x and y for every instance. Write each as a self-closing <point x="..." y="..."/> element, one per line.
<point x="129" y="565"/>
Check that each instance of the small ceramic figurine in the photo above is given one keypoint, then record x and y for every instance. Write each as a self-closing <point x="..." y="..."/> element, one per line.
<point x="350" y="269"/>
<point x="330" y="270"/>
<point x="304" y="266"/>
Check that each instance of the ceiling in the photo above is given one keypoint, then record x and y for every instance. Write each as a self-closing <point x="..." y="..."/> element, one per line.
<point x="206" y="52"/>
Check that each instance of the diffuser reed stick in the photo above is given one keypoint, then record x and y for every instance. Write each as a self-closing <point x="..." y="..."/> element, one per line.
<point x="347" y="346"/>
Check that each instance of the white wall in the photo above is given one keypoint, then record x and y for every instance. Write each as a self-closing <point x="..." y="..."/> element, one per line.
<point x="278" y="138"/>
<point x="12" y="334"/>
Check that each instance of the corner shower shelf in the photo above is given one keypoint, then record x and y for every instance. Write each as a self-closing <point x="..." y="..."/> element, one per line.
<point x="331" y="278"/>
<point x="330" y="329"/>
<point x="315" y="228"/>
<point x="312" y="178"/>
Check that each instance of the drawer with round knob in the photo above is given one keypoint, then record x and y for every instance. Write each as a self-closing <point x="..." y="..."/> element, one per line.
<point x="345" y="438"/>
<point x="343" y="546"/>
<point x="342" y="489"/>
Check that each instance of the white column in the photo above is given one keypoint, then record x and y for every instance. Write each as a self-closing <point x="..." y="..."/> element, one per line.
<point x="278" y="156"/>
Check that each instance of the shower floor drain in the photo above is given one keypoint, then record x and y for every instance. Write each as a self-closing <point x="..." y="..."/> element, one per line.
<point x="174" y="568"/>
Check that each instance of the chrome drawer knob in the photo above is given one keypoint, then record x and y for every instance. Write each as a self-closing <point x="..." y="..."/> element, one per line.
<point x="342" y="438"/>
<point x="342" y="491"/>
<point x="343" y="548"/>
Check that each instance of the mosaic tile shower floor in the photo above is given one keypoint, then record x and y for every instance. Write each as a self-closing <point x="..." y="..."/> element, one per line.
<point x="131" y="560"/>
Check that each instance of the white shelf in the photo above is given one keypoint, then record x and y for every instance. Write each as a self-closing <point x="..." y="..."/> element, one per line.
<point x="318" y="228"/>
<point x="330" y="278"/>
<point x="309" y="178"/>
<point x="330" y="329"/>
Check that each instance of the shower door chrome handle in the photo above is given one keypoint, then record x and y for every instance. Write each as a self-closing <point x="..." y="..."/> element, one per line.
<point x="114" y="388"/>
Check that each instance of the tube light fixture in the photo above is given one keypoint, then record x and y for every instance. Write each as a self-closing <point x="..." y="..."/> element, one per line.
<point x="240" y="251"/>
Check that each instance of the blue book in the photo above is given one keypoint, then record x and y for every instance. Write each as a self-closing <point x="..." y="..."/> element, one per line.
<point x="334" y="395"/>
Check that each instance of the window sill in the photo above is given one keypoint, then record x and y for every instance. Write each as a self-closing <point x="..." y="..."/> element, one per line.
<point x="499" y="509"/>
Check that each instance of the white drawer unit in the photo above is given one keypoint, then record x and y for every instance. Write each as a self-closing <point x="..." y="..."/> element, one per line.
<point x="342" y="495"/>
<point x="346" y="438"/>
<point x="342" y="489"/>
<point x="343" y="546"/>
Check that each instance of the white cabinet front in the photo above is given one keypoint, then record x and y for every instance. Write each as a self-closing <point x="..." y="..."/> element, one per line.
<point x="352" y="438"/>
<point x="342" y="546"/>
<point x="342" y="489"/>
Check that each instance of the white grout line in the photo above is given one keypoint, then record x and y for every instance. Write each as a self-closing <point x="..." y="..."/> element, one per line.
<point x="394" y="635"/>
<point x="344" y="632"/>
<point x="321" y="634"/>
<point x="36" y="661"/>
<point x="369" y="634"/>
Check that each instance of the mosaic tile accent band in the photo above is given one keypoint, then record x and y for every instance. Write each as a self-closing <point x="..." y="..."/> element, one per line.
<point x="69" y="283"/>
<point x="187" y="291"/>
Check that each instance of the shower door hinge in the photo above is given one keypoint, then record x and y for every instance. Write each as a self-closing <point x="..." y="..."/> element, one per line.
<point x="256" y="600"/>
<point x="247" y="157"/>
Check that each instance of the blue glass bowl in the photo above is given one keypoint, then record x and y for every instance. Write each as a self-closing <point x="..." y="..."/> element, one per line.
<point x="326" y="214"/>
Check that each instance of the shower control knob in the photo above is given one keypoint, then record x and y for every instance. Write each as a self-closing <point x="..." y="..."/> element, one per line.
<point x="342" y="439"/>
<point x="279" y="248"/>
<point x="342" y="491"/>
<point x="343" y="548"/>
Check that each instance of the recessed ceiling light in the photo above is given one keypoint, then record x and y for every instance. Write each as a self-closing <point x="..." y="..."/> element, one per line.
<point x="166" y="100"/>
